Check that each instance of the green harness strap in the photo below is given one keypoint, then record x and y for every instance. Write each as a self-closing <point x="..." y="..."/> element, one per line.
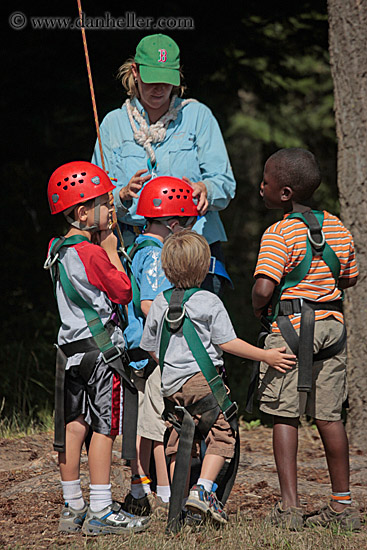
<point x="94" y="322"/>
<point x="131" y="251"/>
<point x="200" y="354"/>
<point x="300" y="271"/>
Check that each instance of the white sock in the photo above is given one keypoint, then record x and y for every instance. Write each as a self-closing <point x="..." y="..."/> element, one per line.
<point x="206" y="483"/>
<point x="164" y="492"/>
<point x="100" y="497"/>
<point x="72" y="494"/>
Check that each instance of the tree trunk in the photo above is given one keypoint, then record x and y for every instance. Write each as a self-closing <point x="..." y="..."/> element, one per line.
<point x="348" y="56"/>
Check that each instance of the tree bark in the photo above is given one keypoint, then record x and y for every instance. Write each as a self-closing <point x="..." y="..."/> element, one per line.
<point x="348" y="57"/>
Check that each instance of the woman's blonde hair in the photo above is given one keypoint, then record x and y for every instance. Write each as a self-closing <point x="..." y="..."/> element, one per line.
<point x="125" y="75"/>
<point x="186" y="258"/>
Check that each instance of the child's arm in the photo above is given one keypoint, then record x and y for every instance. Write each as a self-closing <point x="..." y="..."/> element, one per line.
<point x="145" y="306"/>
<point x="275" y="357"/>
<point x="262" y="291"/>
<point x="108" y="241"/>
<point x="344" y="283"/>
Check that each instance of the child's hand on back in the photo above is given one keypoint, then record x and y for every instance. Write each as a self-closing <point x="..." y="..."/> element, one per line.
<point x="279" y="360"/>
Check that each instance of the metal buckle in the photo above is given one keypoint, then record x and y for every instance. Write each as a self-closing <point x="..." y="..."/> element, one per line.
<point x="313" y="242"/>
<point x="231" y="411"/>
<point x="50" y="261"/>
<point x="213" y="260"/>
<point x="109" y="359"/>
<point x="172" y="321"/>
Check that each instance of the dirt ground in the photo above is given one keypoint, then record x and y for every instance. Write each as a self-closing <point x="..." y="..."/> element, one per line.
<point x="30" y="497"/>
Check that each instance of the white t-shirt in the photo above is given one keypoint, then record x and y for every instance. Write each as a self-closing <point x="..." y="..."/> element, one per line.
<point x="213" y="325"/>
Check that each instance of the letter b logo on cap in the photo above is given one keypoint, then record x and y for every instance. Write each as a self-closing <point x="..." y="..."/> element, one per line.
<point x="162" y="56"/>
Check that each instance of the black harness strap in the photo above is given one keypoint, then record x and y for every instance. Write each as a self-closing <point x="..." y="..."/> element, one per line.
<point x="181" y="470"/>
<point x="59" y="426"/>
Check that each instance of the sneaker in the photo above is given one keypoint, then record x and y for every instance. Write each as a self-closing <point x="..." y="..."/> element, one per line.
<point x="158" y="508"/>
<point x="349" y="519"/>
<point x="71" y="520"/>
<point x="137" y="506"/>
<point x="147" y="505"/>
<point x="291" y="518"/>
<point x="206" y="504"/>
<point x="113" y="520"/>
<point x="192" y="519"/>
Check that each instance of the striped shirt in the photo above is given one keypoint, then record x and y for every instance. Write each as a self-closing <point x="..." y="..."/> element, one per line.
<point x="282" y="248"/>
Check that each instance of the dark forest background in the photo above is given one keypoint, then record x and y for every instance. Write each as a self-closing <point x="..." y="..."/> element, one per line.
<point x="263" y="69"/>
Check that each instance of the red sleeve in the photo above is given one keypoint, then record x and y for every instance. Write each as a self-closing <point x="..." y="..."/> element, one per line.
<point x="103" y="275"/>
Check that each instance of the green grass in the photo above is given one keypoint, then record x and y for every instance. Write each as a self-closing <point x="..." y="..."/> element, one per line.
<point x="241" y="533"/>
<point x="19" y="425"/>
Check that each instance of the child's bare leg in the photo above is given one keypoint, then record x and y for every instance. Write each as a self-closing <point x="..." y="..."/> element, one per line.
<point x="285" y="446"/>
<point x="140" y="466"/>
<point x="160" y="464"/>
<point x="336" y="447"/>
<point x="69" y="461"/>
<point x="211" y="467"/>
<point x="99" y="458"/>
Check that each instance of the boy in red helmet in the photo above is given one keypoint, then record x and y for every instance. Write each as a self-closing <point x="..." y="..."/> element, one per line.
<point x="168" y="206"/>
<point x="88" y="280"/>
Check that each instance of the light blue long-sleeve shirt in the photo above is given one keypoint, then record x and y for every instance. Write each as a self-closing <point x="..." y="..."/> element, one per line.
<point x="193" y="147"/>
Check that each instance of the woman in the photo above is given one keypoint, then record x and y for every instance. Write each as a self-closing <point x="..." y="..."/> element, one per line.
<point x="155" y="133"/>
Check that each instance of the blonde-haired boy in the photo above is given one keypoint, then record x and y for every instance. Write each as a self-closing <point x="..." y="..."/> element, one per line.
<point x="185" y="260"/>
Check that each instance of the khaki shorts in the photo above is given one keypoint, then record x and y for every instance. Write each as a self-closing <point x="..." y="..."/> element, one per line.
<point x="220" y="439"/>
<point x="150" y="422"/>
<point x="278" y="393"/>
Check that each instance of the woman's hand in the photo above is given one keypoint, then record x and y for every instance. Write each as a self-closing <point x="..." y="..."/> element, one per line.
<point x="131" y="190"/>
<point x="200" y="191"/>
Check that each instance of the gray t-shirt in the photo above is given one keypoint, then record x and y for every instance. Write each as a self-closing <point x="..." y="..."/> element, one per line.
<point x="212" y="324"/>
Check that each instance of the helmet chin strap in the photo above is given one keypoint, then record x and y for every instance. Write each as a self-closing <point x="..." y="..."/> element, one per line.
<point x="189" y="222"/>
<point x="80" y="225"/>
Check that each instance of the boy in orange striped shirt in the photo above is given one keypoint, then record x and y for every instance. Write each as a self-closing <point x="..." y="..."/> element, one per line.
<point x="305" y="262"/>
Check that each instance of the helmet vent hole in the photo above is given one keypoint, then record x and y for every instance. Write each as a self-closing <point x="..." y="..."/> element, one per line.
<point x="75" y="176"/>
<point x="72" y="183"/>
<point x="185" y="197"/>
<point x="173" y="190"/>
<point x="181" y="190"/>
<point x="58" y="183"/>
<point x="165" y="191"/>
<point x="66" y="179"/>
<point x="178" y="196"/>
<point x="187" y="191"/>
<point x="83" y="174"/>
<point x="65" y="187"/>
<point x="80" y="181"/>
<point x="170" y="198"/>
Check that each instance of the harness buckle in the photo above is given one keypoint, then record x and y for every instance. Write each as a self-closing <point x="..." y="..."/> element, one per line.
<point x="213" y="261"/>
<point x="116" y="355"/>
<point x="231" y="411"/>
<point x="313" y="242"/>
<point x="50" y="261"/>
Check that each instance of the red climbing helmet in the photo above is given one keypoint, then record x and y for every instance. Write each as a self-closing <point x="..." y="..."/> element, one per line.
<point x="74" y="183"/>
<point x="166" y="196"/>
